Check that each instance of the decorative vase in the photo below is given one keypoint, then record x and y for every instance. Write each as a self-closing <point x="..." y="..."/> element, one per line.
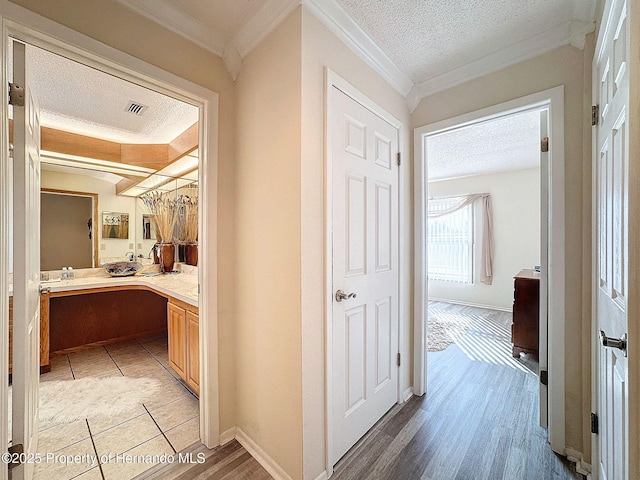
<point x="166" y="253"/>
<point x="191" y="254"/>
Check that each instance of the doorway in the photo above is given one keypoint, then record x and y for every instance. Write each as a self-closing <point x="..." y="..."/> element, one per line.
<point x="80" y="212"/>
<point x="550" y="100"/>
<point x="163" y="82"/>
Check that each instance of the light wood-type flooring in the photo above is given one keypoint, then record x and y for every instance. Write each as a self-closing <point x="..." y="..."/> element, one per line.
<point x="479" y="420"/>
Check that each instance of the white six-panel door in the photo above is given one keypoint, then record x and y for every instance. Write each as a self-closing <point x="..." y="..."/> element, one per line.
<point x="611" y="168"/>
<point x="26" y="267"/>
<point x="365" y="264"/>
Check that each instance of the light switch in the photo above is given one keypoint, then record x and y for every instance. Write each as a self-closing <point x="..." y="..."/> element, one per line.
<point x="139" y="246"/>
<point x="131" y="246"/>
<point x="103" y="246"/>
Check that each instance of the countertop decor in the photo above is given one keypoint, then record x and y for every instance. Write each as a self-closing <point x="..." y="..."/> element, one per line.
<point x="122" y="269"/>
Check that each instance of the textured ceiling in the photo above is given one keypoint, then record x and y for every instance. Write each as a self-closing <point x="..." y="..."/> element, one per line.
<point x="503" y="144"/>
<point x="419" y="46"/>
<point x="426" y="38"/>
<point x="80" y="99"/>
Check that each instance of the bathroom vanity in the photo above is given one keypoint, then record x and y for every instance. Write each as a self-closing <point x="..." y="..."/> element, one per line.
<point x="95" y="309"/>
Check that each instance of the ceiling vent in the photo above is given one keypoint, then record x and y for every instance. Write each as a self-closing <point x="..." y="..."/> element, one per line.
<point x="136" y="108"/>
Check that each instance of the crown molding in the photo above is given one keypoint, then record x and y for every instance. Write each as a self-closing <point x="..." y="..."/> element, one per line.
<point x="256" y="29"/>
<point x="336" y="19"/>
<point x="567" y="33"/>
<point x="178" y="22"/>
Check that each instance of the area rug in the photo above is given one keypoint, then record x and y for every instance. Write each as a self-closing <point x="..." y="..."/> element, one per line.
<point x="443" y="328"/>
<point x="66" y="401"/>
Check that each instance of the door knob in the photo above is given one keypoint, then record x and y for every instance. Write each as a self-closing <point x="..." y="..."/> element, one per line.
<point x="340" y="296"/>
<point x="619" y="343"/>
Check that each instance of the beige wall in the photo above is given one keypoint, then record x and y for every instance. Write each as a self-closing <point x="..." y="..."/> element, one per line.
<point x="320" y="49"/>
<point x="515" y="203"/>
<point x="148" y="41"/>
<point x="268" y="330"/>
<point x="563" y="66"/>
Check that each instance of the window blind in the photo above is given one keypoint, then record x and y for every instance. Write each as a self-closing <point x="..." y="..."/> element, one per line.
<point x="450" y="242"/>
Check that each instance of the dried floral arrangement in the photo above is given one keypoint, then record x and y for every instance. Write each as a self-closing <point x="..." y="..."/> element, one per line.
<point x="188" y="218"/>
<point x="164" y="214"/>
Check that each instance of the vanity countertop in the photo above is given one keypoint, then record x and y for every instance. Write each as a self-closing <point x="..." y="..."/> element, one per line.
<point x="183" y="286"/>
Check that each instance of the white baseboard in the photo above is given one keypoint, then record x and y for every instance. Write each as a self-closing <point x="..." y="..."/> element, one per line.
<point x="269" y="464"/>
<point x="322" y="476"/>
<point x="227" y="436"/>
<point x="407" y="394"/>
<point x="578" y="458"/>
<point x="469" y="304"/>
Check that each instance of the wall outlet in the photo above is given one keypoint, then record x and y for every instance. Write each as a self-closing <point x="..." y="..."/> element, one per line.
<point x="103" y="246"/>
<point x="139" y="246"/>
<point x="131" y="246"/>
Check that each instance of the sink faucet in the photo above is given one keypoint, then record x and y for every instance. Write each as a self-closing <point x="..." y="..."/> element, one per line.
<point x="130" y="256"/>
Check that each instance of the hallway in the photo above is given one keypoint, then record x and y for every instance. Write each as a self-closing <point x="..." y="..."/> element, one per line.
<point x="478" y="420"/>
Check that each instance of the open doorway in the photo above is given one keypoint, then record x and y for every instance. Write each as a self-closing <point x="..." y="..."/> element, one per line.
<point x="484" y="236"/>
<point x="113" y="377"/>
<point x="551" y="331"/>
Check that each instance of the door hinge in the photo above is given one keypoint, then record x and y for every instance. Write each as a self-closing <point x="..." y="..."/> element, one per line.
<point x="544" y="377"/>
<point x="16" y="95"/>
<point x="544" y="145"/>
<point x="595" y="111"/>
<point x="594" y="423"/>
<point x="15" y="453"/>
<point x="398" y="159"/>
<point x="398" y="359"/>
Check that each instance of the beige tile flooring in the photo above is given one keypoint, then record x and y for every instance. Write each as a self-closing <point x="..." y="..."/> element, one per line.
<point x="165" y="425"/>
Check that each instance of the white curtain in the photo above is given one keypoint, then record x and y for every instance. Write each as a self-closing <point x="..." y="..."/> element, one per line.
<point x="458" y="202"/>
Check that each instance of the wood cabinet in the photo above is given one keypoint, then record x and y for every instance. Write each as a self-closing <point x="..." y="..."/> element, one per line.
<point x="526" y="313"/>
<point x="184" y="350"/>
<point x="45" y="366"/>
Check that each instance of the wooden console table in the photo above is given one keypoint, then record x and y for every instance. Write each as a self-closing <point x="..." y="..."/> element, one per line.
<point x="526" y="313"/>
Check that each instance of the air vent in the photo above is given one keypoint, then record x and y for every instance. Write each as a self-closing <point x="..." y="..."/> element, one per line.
<point x="136" y="108"/>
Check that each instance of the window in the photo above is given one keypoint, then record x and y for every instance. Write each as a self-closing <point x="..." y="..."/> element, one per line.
<point x="450" y="242"/>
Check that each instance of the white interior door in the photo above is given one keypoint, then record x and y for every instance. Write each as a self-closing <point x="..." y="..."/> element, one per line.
<point x="26" y="266"/>
<point x="365" y="268"/>
<point x="543" y="355"/>
<point x="611" y="169"/>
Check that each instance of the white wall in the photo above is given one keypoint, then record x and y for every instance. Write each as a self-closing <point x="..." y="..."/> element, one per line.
<point x="515" y="201"/>
<point x="107" y="202"/>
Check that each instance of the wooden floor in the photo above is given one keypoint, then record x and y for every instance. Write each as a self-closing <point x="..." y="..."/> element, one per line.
<point x="478" y="421"/>
<point x="227" y="462"/>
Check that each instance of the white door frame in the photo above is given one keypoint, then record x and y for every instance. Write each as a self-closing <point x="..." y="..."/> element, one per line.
<point x="37" y="30"/>
<point x="332" y="80"/>
<point x="553" y="99"/>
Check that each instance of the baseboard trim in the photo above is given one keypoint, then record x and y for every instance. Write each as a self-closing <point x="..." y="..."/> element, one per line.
<point x="322" y="476"/>
<point x="470" y="304"/>
<point x="269" y="464"/>
<point x="407" y="394"/>
<point x="228" y="435"/>
<point x="578" y="458"/>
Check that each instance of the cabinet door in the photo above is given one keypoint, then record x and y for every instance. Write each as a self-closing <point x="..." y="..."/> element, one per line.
<point x="176" y="326"/>
<point x="193" y="349"/>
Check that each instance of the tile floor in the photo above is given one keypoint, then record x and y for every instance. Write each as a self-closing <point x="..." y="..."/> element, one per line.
<point x="167" y="424"/>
